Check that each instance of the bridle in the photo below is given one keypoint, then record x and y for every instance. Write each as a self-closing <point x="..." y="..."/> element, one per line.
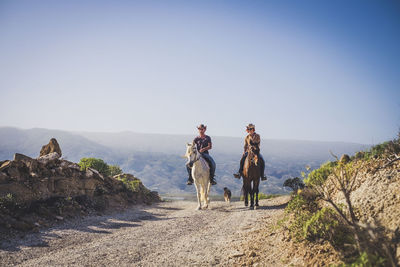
<point x="196" y="157"/>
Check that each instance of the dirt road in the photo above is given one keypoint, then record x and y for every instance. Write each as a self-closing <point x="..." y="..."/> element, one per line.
<point x="164" y="234"/>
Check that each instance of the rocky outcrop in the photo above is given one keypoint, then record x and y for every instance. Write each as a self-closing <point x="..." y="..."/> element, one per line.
<point x="26" y="181"/>
<point x="51" y="147"/>
<point x="48" y="176"/>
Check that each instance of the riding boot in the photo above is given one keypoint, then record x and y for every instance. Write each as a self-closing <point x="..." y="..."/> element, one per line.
<point x="212" y="175"/>
<point x="240" y="172"/>
<point x="190" y="179"/>
<point x="212" y="180"/>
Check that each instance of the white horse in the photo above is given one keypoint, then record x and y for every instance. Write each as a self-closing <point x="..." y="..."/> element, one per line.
<point x="200" y="174"/>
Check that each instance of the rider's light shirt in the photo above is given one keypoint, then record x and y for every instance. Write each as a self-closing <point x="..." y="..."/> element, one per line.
<point x="202" y="142"/>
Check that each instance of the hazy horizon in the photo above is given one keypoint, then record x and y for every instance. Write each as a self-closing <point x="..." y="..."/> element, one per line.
<point x="182" y="134"/>
<point x="313" y="70"/>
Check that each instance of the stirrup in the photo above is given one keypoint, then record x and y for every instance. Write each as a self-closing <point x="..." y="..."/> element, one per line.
<point x="237" y="175"/>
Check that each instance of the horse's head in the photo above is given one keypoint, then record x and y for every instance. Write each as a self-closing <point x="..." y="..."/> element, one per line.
<point x="191" y="153"/>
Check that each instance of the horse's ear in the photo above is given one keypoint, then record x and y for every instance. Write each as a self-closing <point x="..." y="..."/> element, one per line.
<point x="188" y="144"/>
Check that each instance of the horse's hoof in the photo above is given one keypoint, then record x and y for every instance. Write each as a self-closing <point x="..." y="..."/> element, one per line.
<point x="246" y="204"/>
<point x="251" y="207"/>
<point x="205" y="207"/>
<point x="198" y="208"/>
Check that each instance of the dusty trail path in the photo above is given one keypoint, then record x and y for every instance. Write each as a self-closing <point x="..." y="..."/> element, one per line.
<point x="164" y="234"/>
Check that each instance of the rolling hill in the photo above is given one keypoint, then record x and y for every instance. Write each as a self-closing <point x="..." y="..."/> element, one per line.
<point x="156" y="158"/>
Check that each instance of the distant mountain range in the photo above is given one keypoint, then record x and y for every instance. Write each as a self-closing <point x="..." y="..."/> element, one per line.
<point x="156" y="158"/>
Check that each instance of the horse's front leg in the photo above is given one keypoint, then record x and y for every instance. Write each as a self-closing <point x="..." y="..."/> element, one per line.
<point x="206" y="198"/>
<point x="246" y="194"/>
<point x="251" y="197"/>
<point x="257" y="183"/>
<point x="198" y="196"/>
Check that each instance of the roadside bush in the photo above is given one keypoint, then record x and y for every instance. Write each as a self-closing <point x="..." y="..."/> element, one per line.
<point x="321" y="225"/>
<point x="318" y="177"/>
<point x="97" y="164"/>
<point x="300" y="212"/>
<point x="296" y="204"/>
<point x="100" y="166"/>
<point x="114" y="170"/>
<point x="132" y="184"/>
<point x="365" y="260"/>
<point x="384" y="149"/>
<point x="294" y="183"/>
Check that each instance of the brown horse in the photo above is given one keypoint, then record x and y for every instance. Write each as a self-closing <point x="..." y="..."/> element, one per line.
<point x="251" y="173"/>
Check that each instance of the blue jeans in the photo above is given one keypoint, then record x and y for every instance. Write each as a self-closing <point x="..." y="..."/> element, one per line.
<point x="210" y="162"/>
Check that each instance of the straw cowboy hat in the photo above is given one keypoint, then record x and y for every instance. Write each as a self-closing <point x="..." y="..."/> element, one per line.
<point x="202" y="126"/>
<point x="251" y="126"/>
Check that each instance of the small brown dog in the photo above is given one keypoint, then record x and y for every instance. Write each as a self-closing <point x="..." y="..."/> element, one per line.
<point x="227" y="195"/>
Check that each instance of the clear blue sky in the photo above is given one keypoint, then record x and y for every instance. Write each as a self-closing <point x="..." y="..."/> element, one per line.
<point x="313" y="70"/>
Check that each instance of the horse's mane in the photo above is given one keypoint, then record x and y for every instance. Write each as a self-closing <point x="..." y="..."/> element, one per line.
<point x="252" y="156"/>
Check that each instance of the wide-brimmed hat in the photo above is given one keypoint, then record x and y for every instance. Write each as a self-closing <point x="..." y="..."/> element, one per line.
<point x="250" y="126"/>
<point x="202" y="126"/>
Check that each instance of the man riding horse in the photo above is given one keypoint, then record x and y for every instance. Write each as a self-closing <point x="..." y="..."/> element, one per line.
<point x="203" y="144"/>
<point x="251" y="142"/>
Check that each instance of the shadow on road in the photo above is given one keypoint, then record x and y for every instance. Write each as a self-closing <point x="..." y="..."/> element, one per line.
<point x="103" y="224"/>
<point x="274" y="207"/>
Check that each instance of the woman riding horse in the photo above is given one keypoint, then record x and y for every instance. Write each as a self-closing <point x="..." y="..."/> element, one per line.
<point x="252" y="141"/>
<point x="251" y="167"/>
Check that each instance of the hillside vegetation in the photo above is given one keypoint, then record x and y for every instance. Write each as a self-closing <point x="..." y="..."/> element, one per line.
<point x="349" y="212"/>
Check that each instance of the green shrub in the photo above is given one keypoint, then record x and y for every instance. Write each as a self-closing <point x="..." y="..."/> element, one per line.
<point x="308" y="222"/>
<point x="100" y="166"/>
<point x="294" y="183"/>
<point x="132" y="184"/>
<point x="383" y="149"/>
<point x="296" y="204"/>
<point x="320" y="225"/>
<point x="319" y="176"/>
<point x="366" y="260"/>
<point x="114" y="170"/>
<point x="298" y="208"/>
<point x="97" y="164"/>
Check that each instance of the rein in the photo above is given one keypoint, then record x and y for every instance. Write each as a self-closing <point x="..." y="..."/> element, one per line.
<point x="197" y="157"/>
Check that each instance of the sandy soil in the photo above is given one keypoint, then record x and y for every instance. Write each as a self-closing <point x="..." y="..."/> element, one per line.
<point x="164" y="234"/>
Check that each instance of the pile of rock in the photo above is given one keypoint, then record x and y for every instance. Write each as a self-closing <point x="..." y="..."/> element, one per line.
<point x="32" y="180"/>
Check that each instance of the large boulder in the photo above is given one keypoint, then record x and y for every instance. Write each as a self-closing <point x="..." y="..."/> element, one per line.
<point x="51" y="147"/>
<point x="49" y="157"/>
